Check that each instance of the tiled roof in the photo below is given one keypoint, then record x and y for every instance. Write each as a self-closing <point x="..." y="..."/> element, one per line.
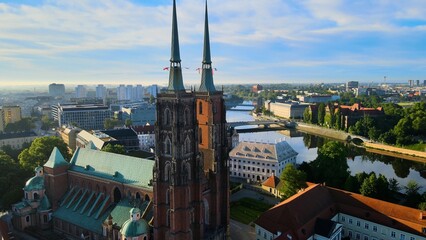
<point x="56" y="159"/>
<point x="297" y="215"/>
<point x="271" y="182"/>
<point x="111" y="166"/>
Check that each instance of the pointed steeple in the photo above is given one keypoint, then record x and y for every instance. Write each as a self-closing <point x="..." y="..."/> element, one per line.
<point x="175" y="70"/>
<point x="207" y="71"/>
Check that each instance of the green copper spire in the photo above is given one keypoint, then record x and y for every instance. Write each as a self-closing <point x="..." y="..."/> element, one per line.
<point x="175" y="70"/>
<point x="207" y="71"/>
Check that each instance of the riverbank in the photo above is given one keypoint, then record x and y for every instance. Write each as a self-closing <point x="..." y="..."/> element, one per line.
<point x="369" y="146"/>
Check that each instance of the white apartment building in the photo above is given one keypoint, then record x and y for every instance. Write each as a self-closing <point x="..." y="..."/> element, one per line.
<point x="256" y="161"/>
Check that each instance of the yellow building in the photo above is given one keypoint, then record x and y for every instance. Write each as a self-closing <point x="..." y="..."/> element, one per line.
<point x="11" y="114"/>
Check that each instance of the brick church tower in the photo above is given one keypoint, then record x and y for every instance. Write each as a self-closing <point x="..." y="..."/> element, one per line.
<point x="211" y="117"/>
<point x="190" y="177"/>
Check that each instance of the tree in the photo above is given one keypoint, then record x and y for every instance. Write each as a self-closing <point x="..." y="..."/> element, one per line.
<point x="293" y="181"/>
<point x="369" y="186"/>
<point x="394" y="185"/>
<point x="12" y="180"/>
<point x="114" y="148"/>
<point x="25" y="124"/>
<point x="307" y="116"/>
<point x="128" y="122"/>
<point x="110" y="123"/>
<point x="39" y="152"/>
<point x="331" y="165"/>
<point x="321" y="113"/>
<point x="338" y="123"/>
<point x="412" y="192"/>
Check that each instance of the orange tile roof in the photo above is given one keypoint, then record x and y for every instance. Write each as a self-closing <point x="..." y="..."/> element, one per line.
<point x="271" y="182"/>
<point x="296" y="215"/>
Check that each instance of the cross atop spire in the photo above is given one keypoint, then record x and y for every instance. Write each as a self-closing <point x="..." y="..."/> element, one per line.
<point x="207" y="71"/>
<point x="175" y="70"/>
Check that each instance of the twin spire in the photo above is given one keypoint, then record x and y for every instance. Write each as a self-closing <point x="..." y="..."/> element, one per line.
<point x="175" y="74"/>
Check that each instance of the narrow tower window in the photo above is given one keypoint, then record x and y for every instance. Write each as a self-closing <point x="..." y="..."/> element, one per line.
<point x="200" y="108"/>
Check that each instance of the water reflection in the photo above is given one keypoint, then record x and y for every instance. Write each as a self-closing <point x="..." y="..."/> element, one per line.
<point x="359" y="160"/>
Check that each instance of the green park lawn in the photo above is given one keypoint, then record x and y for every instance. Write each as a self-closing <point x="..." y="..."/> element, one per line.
<point x="418" y="147"/>
<point x="246" y="210"/>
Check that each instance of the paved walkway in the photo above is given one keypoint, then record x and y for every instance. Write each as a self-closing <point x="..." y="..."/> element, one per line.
<point x="241" y="231"/>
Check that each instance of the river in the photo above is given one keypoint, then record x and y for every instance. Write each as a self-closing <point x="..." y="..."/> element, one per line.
<point x="358" y="159"/>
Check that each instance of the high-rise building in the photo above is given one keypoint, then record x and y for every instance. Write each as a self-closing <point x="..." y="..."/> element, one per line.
<point x="138" y="92"/>
<point x="121" y="92"/>
<point x="101" y="91"/>
<point x="153" y="90"/>
<point x="190" y="178"/>
<point x="56" y="90"/>
<point x="129" y="92"/>
<point x="80" y="91"/>
<point x="351" y="85"/>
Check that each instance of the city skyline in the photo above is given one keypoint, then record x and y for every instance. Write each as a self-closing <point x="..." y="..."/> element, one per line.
<point x="274" y="41"/>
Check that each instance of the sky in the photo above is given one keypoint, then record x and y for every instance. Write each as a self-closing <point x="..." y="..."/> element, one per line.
<point x="252" y="41"/>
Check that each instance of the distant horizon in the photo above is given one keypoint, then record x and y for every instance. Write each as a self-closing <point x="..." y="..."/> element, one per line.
<point x="128" y="41"/>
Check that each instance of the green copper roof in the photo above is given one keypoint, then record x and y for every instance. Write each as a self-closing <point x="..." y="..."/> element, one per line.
<point x="207" y="71"/>
<point x="134" y="228"/>
<point x="175" y="70"/>
<point x="44" y="204"/>
<point x="111" y="166"/>
<point x="120" y="214"/>
<point x="34" y="184"/>
<point x="56" y="159"/>
<point x="134" y="210"/>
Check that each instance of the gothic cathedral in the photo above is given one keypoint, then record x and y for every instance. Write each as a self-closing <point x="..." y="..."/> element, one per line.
<point x="190" y="178"/>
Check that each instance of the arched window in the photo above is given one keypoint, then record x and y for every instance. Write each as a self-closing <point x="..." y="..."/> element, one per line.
<point x="167" y="196"/>
<point x="138" y="196"/>
<point x="167" y="117"/>
<point x="167" y="146"/>
<point x="206" y="212"/>
<point x="167" y="172"/>
<point x="200" y="136"/>
<point x="168" y="218"/>
<point x="200" y="108"/>
<point x="187" y="146"/>
<point x="27" y="218"/>
<point x="187" y="117"/>
<point x="45" y="218"/>
<point x="147" y="198"/>
<point x="36" y="196"/>
<point x="117" y="195"/>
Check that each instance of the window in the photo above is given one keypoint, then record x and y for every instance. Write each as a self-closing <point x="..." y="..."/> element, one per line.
<point x="366" y="226"/>
<point x="412" y="238"/>
<point x="200" y="108"/>
<point x="358" y="236"/>
<point x="375" y="228"/>
<point x="402" y="237"/>
<point x="358" y="223"/>
<point x="350" y="220"/>
<point x="45" y="218"/>
<point x="167" y="117"/>
<point x="350" y="233"/>
<point x="366" y="238"/>
<point x="343" y="218"/>
<point x="27" y="218"/>
<point x="393" y="234"/>
<point x="167" y="146"/>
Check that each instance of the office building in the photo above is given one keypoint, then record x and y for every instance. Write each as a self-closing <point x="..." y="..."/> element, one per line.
<point x="15" y="140"/>
<point x="139" y="113"/>
<point x="289" y="110"/>
<point x="85" y="116"/>
<point x="351" y="85"/>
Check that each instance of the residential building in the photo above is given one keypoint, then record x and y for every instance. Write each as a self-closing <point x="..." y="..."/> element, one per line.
<point x="11" y="114"/>
<point x="121" y="92"/>
<point x="45" y="110"/>
<point x="80" y="91"/>
<point x="351" y="85"/>
<point x="56" y="90"/>
<point x="85" y="116"/>
<point x="257" y="161"/>
<point x="101" y="91"/>
<point x="289" y="110"/>
<point x="272" y="185"/>
<point x="15" y="140"/>
<point x="93" y="140"/>
<point x="146" y="137"/>
<point x="90" y="197"/>
<point x="139" y="113"/>
<point x="2" y="123"/>
<point x="138" y="93"/>
<point x="152" y="90"/>
<point x="320" y="212"/>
